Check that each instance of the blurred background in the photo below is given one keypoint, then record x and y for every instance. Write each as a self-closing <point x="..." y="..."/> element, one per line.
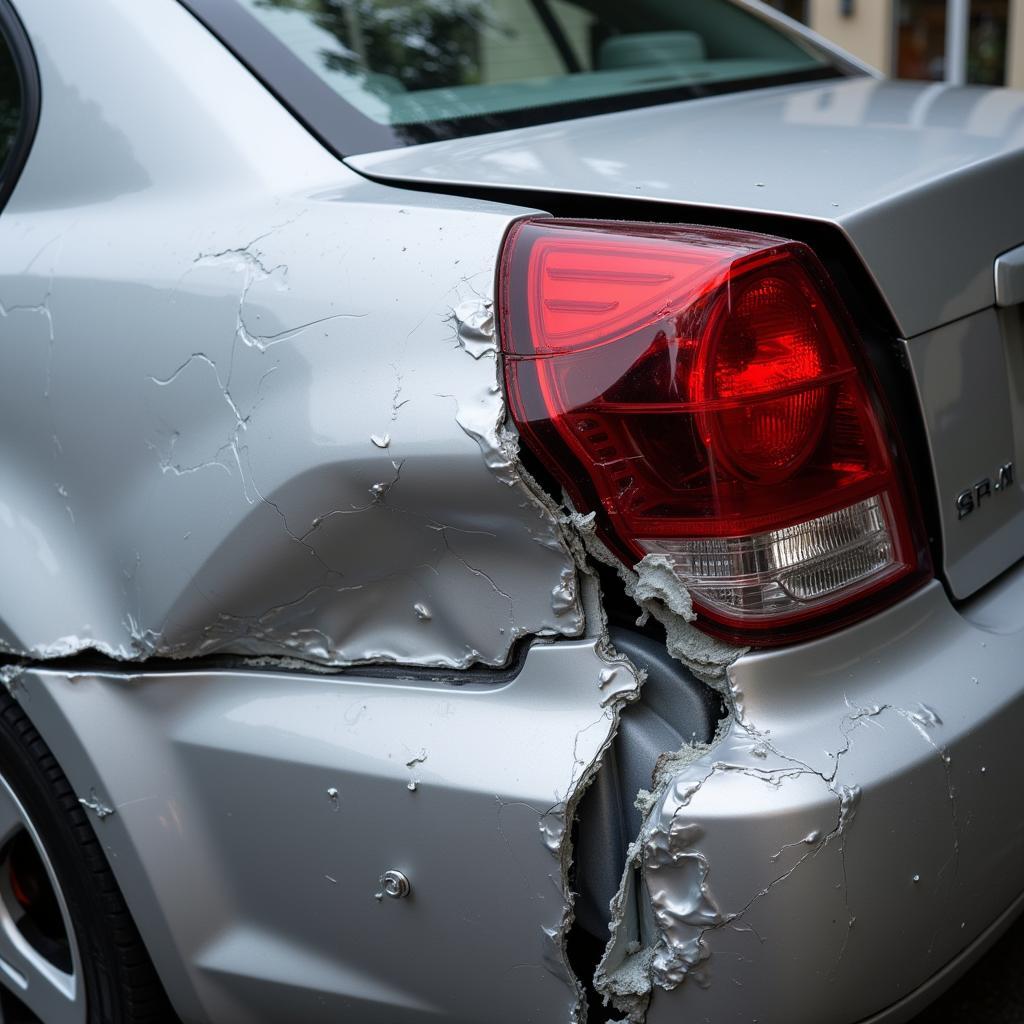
<point x="973" y="41"/>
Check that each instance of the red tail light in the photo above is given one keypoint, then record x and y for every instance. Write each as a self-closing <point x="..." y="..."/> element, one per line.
<point x="702" y="390"/>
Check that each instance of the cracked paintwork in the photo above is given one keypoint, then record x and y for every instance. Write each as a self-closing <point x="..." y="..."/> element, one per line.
<point x="774" y="863"/>
<point x="659" y="594"/>
<point x="676" y="874"/>
<point x="250" y="404"/>
<point x="239" y="446"/>
<point x="372" y="775"/>
<point x="94" y="804"/>
<point x="277" y="431"/>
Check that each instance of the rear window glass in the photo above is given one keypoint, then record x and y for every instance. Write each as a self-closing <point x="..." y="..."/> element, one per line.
<point x="404" y="63"/>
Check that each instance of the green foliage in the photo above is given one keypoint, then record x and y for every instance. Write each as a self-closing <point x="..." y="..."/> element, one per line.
<point x="423" y="44"/>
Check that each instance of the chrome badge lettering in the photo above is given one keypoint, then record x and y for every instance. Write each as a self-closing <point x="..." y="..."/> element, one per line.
<point x="971" y="498"/>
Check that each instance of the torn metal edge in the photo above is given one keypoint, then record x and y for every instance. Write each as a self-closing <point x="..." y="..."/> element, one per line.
<point x="575" y="600"/>
<point x="480" y="414"/>
<point x="626" y="971"/>
<point x="658" y="593"/>
<point x="684" y="911"/>
<point x="619" y="683"/>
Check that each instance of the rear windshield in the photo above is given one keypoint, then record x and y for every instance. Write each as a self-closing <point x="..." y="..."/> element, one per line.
<point x="423" y="69"/>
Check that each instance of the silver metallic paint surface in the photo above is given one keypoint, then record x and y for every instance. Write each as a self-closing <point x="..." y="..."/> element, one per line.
<point x="254" y="813"/>
<point x="891" y="163"/>
<point x="1009" y="271"/>
<point x="250" y="405"/>
<point x="850" y="834"/>
<point x="213" y="776"/>
<point x="919" y="177"/>
<point x="970" y="380"/>
<point x="249" y="401"/>
<point x="254" y="887"/>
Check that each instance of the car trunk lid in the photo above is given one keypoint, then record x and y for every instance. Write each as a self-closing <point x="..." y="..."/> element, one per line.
<point x="922" y="179"/>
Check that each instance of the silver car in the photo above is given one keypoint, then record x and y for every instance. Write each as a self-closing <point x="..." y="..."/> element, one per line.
<point x="509" y="511"/>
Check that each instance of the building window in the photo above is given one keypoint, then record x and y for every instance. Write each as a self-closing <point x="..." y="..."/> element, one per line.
<point x="921" y="40"/>
<point x="986" y="53"/>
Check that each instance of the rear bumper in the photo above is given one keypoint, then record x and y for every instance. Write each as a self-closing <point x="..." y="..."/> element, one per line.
<point x="841" y="849"/>
<point x="830" y="864"/>
<point x="914" y="1003"/>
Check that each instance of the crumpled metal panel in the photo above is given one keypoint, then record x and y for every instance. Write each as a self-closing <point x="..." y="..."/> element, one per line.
<point x="845" y="838"/>
<point x="249" y="402"/>
<point x="253" y="814"/>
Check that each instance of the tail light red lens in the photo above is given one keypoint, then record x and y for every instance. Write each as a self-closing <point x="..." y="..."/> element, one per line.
<point x="703" y="391"/>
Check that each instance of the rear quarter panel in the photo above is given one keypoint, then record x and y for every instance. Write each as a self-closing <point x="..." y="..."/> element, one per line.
<point x="248" y="401"/>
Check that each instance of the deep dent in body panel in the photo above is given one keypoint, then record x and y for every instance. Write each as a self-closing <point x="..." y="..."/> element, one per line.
<point x="667" y="863"/>
<point x="275" y="630"/>
<point x="269" y="639"/>
<point x="666" y="858"/>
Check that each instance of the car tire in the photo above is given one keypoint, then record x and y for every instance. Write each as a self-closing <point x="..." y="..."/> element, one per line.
<point x="70" y="953"/>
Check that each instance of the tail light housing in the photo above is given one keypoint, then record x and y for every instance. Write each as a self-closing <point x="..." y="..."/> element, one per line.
<point x="704" y="392"/>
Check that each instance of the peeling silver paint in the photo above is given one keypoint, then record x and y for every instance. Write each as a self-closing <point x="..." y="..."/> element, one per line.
<point x="676" y="873"/>
<point x="682" y="905"/>
<point x="251" y="521"/>
<point x="306" y="465"/>
<point x="619" y="684"/>
<point x="552" y="720"/>
<point x="9" y="675"/>
<point x="673" y="867"/>
<point x="661" y="595"/>
<point x="474" y="326"/>
<point x="563" y="595"/>
<point x="482" y="416"/>
<point x="676" y="877"/>
<point x="96" y="805"/>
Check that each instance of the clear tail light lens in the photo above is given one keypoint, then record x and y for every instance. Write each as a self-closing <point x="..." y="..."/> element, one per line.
<point x="703" y="391"/>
